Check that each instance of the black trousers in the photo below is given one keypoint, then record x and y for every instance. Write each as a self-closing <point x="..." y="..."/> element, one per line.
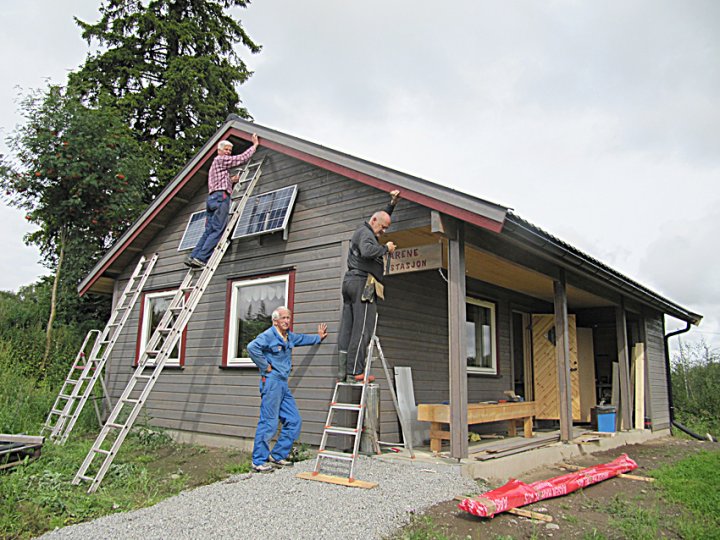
<point x="356" y="324"/>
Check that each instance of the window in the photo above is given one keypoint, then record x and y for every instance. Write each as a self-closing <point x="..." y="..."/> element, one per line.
<point x="251" y="303"/>
<point x="480" y="335"/>
<point x="153" y="308"/>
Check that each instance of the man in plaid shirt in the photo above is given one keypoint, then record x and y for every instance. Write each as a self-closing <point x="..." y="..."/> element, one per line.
<point x="220" y="186"/>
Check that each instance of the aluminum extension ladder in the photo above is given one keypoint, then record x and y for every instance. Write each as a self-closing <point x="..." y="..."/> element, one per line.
<point x="87" y="368"/>
<point x="359" y="408"/>
<point x="161" y="345"/>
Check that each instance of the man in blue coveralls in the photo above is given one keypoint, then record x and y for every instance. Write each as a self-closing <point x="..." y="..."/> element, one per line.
<point x="271" y="352"/>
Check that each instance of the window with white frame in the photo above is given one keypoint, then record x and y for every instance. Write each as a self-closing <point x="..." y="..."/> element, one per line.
<point x="252" y="302"/>
<point x="480" y="334"/>
<point x="155" y="304"/>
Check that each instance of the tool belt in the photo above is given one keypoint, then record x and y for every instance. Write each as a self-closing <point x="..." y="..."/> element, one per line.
<point x="373" y="288"/>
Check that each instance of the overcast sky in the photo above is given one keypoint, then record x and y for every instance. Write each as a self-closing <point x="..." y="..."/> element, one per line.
<point x="597" y="121"/>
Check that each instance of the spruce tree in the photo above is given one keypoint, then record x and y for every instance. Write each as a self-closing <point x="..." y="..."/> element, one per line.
<point x="172" y="69"/>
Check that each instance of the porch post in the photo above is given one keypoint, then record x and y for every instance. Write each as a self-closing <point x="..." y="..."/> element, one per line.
<point x="624" y="365"/>
<point x="562" y="355"/>
<point x="457" y="347"/>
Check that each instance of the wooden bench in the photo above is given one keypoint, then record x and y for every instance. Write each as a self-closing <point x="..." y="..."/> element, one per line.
<point x="478" y="413"/>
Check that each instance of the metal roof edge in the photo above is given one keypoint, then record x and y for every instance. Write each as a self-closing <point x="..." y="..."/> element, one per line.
<point x="524" y="230"/>
<point x="456" y="202"/>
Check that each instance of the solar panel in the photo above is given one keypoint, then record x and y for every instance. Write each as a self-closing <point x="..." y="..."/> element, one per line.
<point x="193" y="231"/>
<point x="266" y="213"/>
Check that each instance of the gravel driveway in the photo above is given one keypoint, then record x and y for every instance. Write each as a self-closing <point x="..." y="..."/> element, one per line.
<point x="278" y="506"/>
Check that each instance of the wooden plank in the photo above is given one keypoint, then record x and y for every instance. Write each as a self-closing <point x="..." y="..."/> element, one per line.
<point x="517" y="511"/>
<point x="537" y="444"/>
<point x="639" y="372"/>
<point x="477" y="412"/>
<point x="338" y="480"/>
<point x="27" y="439"/>
<point x="457" y="340"/>
<point x="562" y="355"/>
<point x="621" y="475"/>
<point x="625" y="404"/>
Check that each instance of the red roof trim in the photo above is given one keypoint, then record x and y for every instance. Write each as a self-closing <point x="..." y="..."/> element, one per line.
<point x="413" y="196"/>
<point x="147" y="220"/>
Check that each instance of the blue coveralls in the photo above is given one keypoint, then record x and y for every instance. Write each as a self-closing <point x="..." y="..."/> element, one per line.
<point x="277" y="402"/>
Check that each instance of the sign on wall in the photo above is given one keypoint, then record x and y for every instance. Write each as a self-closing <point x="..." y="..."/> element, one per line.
<point x="415" y="259"/>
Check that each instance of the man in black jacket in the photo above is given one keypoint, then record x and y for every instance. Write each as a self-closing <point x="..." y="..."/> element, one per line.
<point x="361" y="287"/>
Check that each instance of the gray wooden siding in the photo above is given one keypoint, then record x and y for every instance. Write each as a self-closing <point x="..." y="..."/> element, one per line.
<point x="657" y="375"/>
<point x="412" y="327"/>
<point x="201" y="396"/>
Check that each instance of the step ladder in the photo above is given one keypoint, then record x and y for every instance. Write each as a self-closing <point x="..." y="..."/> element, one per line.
<point x="331" y="428"/>
<point x="88" y="368"/>
<point x="161" y="344"/>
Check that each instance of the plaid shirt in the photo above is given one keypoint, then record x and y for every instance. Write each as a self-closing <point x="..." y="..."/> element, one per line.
<point x="219" y="176"/>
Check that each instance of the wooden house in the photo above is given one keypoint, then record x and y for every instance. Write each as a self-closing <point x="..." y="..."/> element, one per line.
<point x="479" y="301"/>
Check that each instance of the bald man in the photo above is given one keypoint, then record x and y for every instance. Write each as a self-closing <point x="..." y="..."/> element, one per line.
<point x="364" y="268"/>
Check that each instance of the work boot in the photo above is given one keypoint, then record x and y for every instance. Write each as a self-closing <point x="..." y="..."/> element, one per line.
<point x="342" y="365"/>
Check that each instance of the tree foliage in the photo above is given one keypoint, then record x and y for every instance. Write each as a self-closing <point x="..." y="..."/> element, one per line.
<point x="80" y="175"/>
<point x="77" y="172"/>
<point x="170" y="66"/>
<point x="695" y="385"/>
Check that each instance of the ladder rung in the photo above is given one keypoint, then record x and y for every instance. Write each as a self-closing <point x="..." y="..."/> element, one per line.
<point x="101" y="451"/>
<point x="143" y="376"/>
<point x="133" y="401"/>
<point x="72" y="381"/>
<point x="164" y="330"/>
<point x="343" y="383"/>
<point x="114" y="324"/>
<point x="329" y="454"/>
<point x="113" y="425"/>
<point x="341" y="430"/>
<point x="65" y="396"/>
<point x="176" y="308"/>
<point x="56" y="411"/>
<point x="86" y="478"/>
<point x="345" y="406"/>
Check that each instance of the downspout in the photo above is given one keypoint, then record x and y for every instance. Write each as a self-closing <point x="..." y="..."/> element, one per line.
<point x="669" y="385"/>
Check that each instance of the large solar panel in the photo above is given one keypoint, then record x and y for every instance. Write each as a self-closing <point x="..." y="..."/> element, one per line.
<point x="266" y="213"/>
<point x="193" y="231"/>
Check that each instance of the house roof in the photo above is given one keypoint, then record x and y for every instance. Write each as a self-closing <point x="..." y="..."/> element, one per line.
<point x="465" y="207"/>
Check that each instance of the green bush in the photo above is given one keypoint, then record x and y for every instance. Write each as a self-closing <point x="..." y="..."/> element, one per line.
<point x="695" y="382"/>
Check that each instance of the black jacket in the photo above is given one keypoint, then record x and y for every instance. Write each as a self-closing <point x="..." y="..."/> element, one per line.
<point x="366" y="253"/>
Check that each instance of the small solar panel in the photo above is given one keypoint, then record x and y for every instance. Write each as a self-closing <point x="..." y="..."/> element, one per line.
<point x="193" y="231"/>
<point x="266" y="213"/>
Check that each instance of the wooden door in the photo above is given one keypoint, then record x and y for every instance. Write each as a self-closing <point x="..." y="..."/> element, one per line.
<point x="545" y="376"/>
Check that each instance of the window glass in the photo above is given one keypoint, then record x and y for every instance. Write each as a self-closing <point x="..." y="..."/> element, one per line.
<point x="480" y="335"/>
<point x="154" y="308"/>
<point x="252" y="304"/>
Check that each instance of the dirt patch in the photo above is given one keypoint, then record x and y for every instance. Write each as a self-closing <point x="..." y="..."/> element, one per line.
<point x="594" y="512"/>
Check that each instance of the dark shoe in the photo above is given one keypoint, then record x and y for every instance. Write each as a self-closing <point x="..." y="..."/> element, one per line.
<point x="279" y="462"/>
<point x="265" y="467"/>
<point x="192" y="262"/>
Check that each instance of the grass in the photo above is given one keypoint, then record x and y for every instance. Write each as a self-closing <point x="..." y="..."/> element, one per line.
<point x="693" y="484"/>
<point x="424" y="528"/>
<point x="39" y="496"/>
